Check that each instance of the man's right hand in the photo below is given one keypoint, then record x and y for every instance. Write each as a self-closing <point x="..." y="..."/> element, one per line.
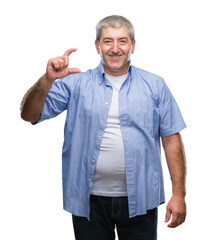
<point x="58" y="67"/>
<point x="33" y="101"/>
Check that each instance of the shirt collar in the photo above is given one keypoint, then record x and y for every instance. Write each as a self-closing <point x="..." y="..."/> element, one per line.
<point x="102" y="72"/>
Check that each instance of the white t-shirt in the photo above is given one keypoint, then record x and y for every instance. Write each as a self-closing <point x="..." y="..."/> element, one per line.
<point x="110" y="174"/>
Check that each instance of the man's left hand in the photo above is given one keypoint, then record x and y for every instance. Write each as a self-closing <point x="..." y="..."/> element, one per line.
<point x="177" y="208"/>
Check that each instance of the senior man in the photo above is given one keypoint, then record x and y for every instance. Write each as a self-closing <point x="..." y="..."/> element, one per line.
<point x="116" y="116"/>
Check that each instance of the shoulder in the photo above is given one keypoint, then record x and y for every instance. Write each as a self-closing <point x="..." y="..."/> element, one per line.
<point x="148" y="77"/>
<point x="149" y="80"/>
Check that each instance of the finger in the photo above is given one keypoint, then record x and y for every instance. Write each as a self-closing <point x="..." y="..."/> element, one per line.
<point x="167" y="216"/>
<point x="55" y="64"/>
<point x="74" y="70"/>
<point x="69" y="71"/>
<point x="173" y="224"/>
<point x="176" y="221"/>
<point x="182" y="218"/>
<point x="60" y="63"/>
<point x="69" y="51"/>
<point x="66" y="59"/>
<point x="63" y="62"/>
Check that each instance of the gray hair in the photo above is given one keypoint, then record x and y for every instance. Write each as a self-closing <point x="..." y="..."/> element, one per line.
<point x="114" y="21"/>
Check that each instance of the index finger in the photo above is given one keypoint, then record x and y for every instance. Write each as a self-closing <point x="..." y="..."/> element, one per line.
<point x="69" y="51"/>
<point x="175" y="221"/>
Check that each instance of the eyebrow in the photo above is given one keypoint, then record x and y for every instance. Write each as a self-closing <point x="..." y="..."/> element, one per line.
<point x="122" y="38"/>
<point x="106" y="38"/>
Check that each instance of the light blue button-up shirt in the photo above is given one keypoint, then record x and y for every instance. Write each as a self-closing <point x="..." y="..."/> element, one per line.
<point x="148" y="111"/>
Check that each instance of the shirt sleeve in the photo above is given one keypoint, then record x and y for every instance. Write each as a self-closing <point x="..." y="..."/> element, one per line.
<point x="56" y="101"/>
<point x="171" y="120"/>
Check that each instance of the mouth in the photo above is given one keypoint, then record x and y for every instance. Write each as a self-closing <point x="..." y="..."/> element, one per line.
<point x="114" y="56"/>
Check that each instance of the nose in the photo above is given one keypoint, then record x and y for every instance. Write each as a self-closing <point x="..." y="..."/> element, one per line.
<point x="115" y="47"/>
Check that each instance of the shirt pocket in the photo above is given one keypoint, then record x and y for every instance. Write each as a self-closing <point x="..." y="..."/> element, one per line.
<point x="143" y="113"/>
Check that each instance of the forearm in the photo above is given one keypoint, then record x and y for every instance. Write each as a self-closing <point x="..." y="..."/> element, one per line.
<point x="175" y="157"/>
<point x="33" y="101"/>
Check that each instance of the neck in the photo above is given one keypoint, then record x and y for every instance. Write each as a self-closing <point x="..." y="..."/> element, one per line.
<point x="116" y="72"/>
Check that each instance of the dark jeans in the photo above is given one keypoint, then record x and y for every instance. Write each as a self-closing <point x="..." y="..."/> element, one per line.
<point x="108" y="212"/>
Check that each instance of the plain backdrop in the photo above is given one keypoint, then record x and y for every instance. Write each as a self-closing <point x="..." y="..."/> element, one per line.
<point x="171" y="41"/>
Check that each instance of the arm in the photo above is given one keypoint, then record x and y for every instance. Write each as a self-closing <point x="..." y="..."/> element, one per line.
<point x="175" y="156"/>
<point x="33" y="101"/>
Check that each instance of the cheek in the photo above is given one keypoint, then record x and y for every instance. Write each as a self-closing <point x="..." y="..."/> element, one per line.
<point x="127" y="50"/>
<point x="105" y="50"/>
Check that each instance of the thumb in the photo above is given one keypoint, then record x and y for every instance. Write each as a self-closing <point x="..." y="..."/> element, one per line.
<point x="73" y="70"/>
<point x="167" y="215"/>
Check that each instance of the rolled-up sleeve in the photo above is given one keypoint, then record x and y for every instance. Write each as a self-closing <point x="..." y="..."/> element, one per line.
<point x="171" y="120"/>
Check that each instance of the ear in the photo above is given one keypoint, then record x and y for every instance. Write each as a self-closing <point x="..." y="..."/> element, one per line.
<point x="97" y="47"/>
<point x="133" y="46"/>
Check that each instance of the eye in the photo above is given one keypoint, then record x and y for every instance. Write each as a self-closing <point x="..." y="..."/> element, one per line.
<point x="123" y="41"/>
<point x="107" y="41"/>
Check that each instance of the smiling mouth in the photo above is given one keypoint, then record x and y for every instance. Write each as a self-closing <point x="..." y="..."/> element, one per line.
<point x="115" y="56"/>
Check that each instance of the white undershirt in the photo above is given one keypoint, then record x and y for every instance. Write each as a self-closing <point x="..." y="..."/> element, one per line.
<point x="110" y="174"/>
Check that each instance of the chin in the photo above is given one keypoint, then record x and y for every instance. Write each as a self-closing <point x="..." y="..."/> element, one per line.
<point x="115" y="65"/>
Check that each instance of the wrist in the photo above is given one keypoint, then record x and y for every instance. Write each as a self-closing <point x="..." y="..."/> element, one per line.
<point x="180" y="195"/>
<point x="178" y="188"/>
<point x="48" y="79"/>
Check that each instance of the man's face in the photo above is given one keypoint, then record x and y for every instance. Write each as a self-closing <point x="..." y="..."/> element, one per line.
<point x="115" y="47"/>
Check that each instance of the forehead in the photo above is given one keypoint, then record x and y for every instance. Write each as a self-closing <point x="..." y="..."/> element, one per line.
<point x="111" y="32"/>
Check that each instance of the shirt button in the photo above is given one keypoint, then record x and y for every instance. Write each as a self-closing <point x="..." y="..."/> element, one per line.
<point x="106" y="103"/>
<point x="94" y="161"/>
<point x="97" y="141"/>
<point x="102" y="121"/>
<point x="90" y="180"/>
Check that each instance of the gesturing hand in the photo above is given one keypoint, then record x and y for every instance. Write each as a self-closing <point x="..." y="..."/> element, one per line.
<point x="58" y="67"/>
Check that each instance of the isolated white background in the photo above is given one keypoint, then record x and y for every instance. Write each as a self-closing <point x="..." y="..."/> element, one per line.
<point x="171" y="41"/>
